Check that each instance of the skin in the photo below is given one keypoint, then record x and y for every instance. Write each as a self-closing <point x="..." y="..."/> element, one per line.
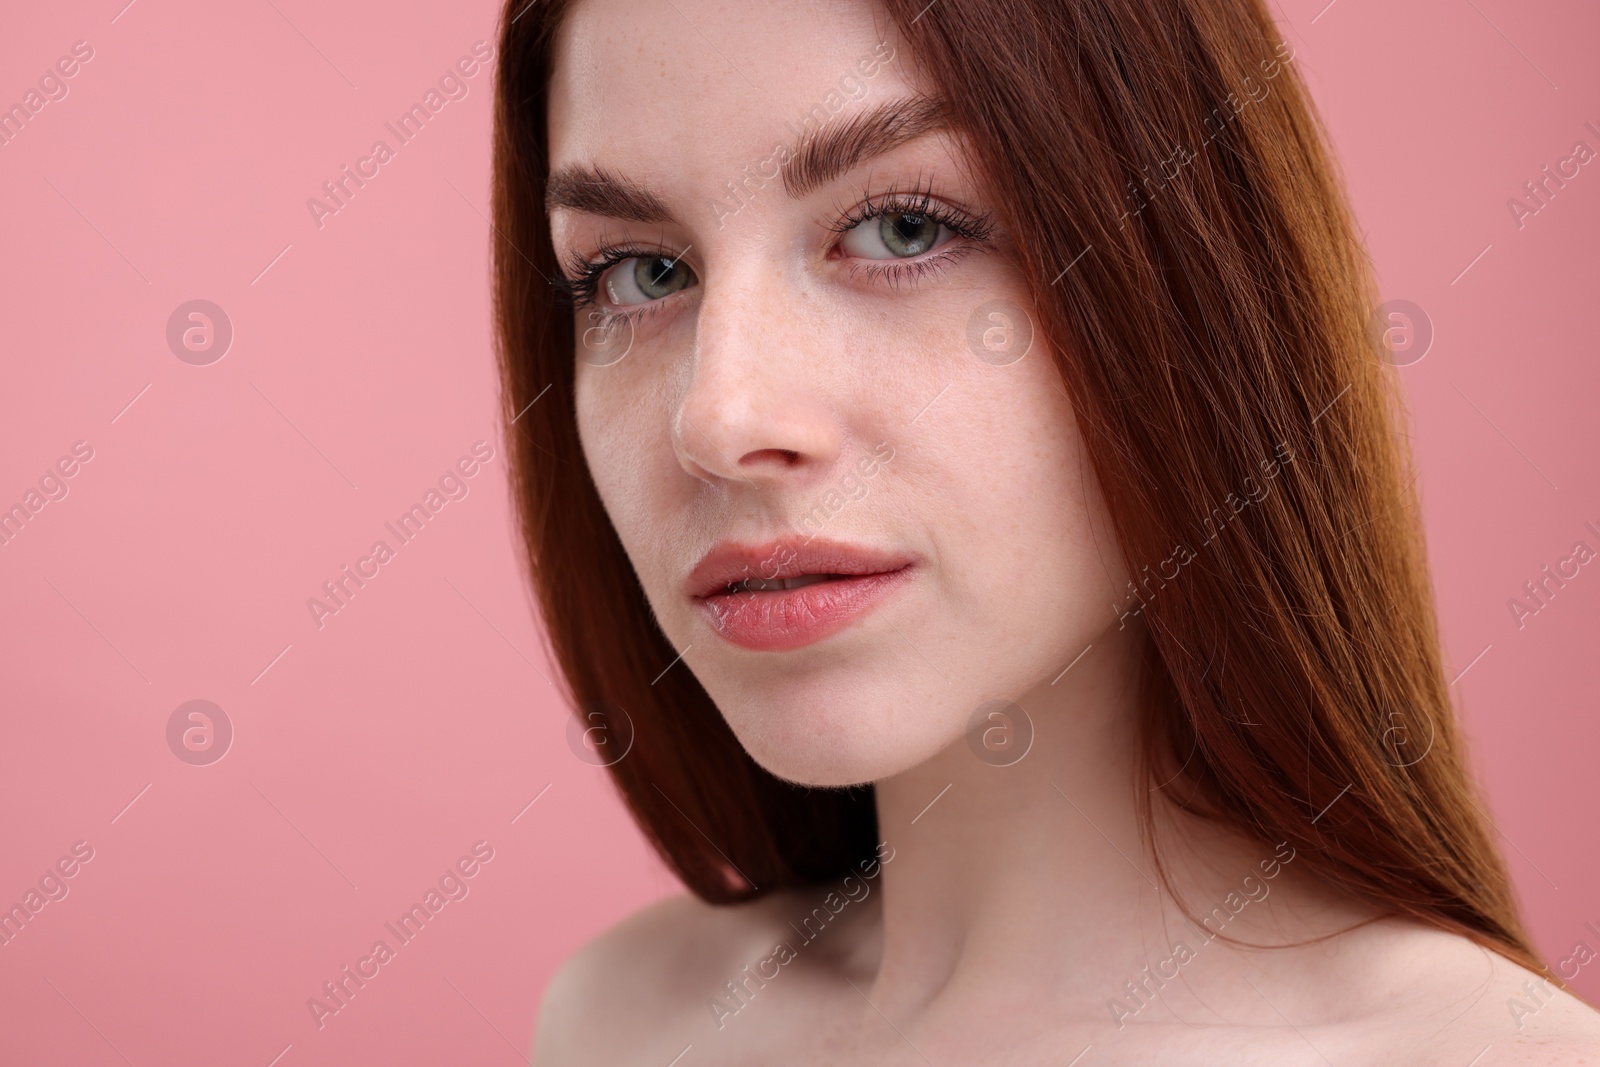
<point x="1012" y="903"/>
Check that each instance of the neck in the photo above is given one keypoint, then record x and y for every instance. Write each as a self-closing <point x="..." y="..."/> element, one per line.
<point x="1031" y="881"/>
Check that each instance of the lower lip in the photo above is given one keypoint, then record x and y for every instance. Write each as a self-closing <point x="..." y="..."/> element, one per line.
<point x="774" y="621"/>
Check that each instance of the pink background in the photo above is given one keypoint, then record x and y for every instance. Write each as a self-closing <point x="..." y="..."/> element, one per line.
<point x="371" y="753"/>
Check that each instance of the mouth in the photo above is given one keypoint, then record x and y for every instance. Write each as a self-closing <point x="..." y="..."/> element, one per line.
<point x="763" y="585"/>
<point x="788" y="594"/>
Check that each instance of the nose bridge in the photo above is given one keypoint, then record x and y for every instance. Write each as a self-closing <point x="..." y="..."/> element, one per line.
<point x="750" y="406"/>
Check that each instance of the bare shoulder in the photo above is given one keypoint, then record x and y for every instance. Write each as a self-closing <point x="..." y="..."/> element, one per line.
<point x="1445" y="996"/>
<point x="635" y="989"/>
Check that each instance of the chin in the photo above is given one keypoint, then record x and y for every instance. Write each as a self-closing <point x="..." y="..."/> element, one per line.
<point x="848" y="732"/>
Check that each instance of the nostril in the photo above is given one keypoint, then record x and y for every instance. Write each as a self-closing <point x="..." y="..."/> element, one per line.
<point x="787" y="455"/>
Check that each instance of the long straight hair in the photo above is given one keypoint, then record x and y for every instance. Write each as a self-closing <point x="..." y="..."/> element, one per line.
<point x="1191" y="256"/>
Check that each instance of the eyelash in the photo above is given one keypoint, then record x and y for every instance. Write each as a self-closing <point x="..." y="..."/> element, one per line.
<point x="584" y="288"/>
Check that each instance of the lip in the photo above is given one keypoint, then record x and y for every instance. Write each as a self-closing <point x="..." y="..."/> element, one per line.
<point x="777" y="620"/>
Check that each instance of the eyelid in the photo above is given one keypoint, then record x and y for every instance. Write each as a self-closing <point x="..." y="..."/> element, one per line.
<point x="896" y="271"/>
<point x="920" y="198"/>
<point x="605" y="319"/>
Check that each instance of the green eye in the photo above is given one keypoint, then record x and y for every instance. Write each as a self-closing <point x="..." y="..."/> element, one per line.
<point x="895" y="235"/>
<point x="645" y="278"/>
<point x="659" y="276"/>
<point x="908" y="235"/>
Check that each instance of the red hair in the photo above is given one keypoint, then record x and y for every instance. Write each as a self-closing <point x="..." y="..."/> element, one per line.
<point x="1218" y="320"/>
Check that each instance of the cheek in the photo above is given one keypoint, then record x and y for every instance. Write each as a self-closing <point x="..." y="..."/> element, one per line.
<point x="595" y="430"/>
<point x="628" y="449"/>
<point x="1031" y="547"/>
<point x="614" y="450"/>
<point x="1070" y="529"/>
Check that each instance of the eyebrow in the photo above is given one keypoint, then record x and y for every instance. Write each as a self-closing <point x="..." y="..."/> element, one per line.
<point x="837" y="150"/>
<point x="833" y="151"/>
<point x="597" y="191"/>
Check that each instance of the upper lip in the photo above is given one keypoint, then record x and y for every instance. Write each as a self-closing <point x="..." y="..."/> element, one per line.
<point x="789" y="557"/>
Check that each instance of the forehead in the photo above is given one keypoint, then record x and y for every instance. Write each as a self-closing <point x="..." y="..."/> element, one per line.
<point x="691" y="92"/>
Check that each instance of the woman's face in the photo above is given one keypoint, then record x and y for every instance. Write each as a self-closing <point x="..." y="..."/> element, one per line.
<point x="827" y="368"/>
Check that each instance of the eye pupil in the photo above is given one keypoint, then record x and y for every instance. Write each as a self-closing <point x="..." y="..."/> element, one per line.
<point x="908" y="235"/>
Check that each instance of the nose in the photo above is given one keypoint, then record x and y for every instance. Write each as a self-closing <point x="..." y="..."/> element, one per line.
<point x="754" y="407"/>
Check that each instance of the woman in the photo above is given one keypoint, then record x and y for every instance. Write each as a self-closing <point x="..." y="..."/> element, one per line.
<point x="961" y="491"/>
